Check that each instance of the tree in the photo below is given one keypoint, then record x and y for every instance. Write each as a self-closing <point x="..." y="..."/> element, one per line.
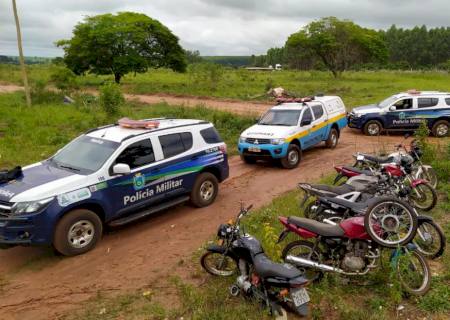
<point x="339" y="44"/>
<point x="193" y="56"/>
<point x="22" y="61"/>
<point x="121" y="43"/>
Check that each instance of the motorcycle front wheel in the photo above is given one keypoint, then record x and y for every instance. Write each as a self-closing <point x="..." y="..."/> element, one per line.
<point x="423" y="197"/>
<point x="430" y="240"/>
<point x="390" y="222"/>
<point x="413" y="272"/>
<point x="218" y="264"/>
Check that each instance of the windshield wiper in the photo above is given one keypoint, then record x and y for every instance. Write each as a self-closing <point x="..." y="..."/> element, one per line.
<point x="69" y="167"/>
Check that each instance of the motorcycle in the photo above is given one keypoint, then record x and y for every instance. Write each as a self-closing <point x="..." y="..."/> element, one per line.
<point x="429" y="240"/>
<point x="399" y="178"/>
<point x="347" y="249"/>
<point x="271" y="283"/>
<point x="418" y="169"/>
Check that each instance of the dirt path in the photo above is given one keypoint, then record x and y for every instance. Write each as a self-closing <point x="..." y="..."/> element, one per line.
<point x="37" y="285"/>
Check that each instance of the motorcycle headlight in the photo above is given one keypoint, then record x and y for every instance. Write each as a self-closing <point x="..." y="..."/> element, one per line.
<point x="30" y="206"/>
<point x="241" y="139"/>
<point x="277" y="141"/>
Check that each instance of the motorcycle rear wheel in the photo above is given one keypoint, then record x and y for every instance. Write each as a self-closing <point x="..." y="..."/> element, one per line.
<point x="390" y="222"/>
<point x="303" y="249"/>
<point x="430" y="240"/>
<point x="423" y="197"/>
<point x="218" y="264"/>
<point x="414" y="273"/>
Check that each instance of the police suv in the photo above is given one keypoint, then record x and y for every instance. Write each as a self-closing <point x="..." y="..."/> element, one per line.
<point x="292" y="126"/>
<point x="404" y="111"/>
<point x="111" y="175"/>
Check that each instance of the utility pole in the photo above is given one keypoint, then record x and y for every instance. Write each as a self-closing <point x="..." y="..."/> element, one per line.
<point x="22" y="60"/>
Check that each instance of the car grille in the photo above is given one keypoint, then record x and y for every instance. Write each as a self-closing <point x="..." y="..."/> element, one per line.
<point x="257" y="141"/>
<point x="5" y="208"/>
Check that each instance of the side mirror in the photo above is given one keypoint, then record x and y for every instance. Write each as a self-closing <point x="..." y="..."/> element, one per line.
<point x="392" y="108"/>
<point x="305" y="123"/>
<point x="121" y="168"/>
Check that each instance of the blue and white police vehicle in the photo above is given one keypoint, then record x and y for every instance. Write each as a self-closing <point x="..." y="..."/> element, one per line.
<point x="111" y="175"/>
<point x="292" y="126"/>
<point x="404" y="112"/>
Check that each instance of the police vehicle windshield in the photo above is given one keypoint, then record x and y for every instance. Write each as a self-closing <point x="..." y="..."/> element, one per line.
<point x="84" y="155"/>
<point x="387" y="102"/>
<point x="280" y="118"/>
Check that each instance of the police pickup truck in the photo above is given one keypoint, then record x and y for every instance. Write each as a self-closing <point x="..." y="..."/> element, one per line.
<point x="292" y="126"/>
<point x="404" y="111"/>
<point x="111" y="175"/>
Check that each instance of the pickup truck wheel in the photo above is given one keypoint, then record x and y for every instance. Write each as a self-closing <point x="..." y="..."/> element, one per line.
<point x="77" y="232"/>
<point x="292" y="158"/>
<point x="205" y="190"/>
<point x="441" y="128"/>
<point x="333" y="139"/>
<point x="372" y="128"/>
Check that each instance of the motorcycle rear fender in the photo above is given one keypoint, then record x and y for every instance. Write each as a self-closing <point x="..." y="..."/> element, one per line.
<point x="421" y="219"/>
<point x="416" y="182"/>
<point x="338" y="169"/>
<point x="293" y="228"/>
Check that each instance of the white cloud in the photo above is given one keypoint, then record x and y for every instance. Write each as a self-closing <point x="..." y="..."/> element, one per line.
<point x="215" y="27"/>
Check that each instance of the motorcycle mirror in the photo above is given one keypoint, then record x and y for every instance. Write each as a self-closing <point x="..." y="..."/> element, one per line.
<point x="249" y="207"/>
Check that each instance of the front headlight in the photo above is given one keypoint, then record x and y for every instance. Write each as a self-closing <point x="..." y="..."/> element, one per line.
<point x="277" y="141"/>
<point x="29" y="206"/>
<point x="241" y="139"/>
<point x="357" y="115"/>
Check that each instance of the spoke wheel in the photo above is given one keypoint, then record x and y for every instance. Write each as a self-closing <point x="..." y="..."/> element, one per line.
<point x="413" y="272"/>
<point x="218" y="264"/>
<point x="304" y="249"/>
<point x="430" y="240"/>
<point x="423" y="197"/>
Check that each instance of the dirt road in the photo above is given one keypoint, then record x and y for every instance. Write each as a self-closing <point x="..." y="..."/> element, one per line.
<point x="37" y="285"/>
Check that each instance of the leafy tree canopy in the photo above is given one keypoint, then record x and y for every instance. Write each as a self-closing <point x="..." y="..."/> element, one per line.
<point x="339" y="44"/>
<point x="121" y="43"/>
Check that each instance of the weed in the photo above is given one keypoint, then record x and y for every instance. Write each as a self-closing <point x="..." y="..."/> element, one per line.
<point x="111" y="98"/>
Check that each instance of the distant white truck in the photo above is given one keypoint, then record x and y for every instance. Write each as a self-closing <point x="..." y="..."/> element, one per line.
<point x="293" y="126"/>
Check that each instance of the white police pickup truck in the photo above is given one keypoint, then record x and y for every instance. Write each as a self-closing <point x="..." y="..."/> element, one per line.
<point x="404" y="111"/>
<point x="292" y="126"/>
<point x="111" y="175"/>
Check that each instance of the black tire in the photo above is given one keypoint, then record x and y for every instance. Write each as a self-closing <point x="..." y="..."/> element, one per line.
<point x="441" y="129"/>
<point x="388" y="203"/>
<point x="430" y="239"/>
<point x="310" y="273"/>
<point x="425" y="187"/>
<point x="426" y="283"/>
<point x="247" y="159"/>
<point x="372" y="128"/>
<point x="292" y="158"/>
<point x="333" y="139"/>
<point x="77" y="232"/>
<point x="340" y="179"/>
<point x="429" y="174"/>
<point x="224" y="261"/>
<point x="205" y="190"/>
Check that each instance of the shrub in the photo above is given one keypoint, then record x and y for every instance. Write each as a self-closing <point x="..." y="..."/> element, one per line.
<point x="64" y="79"/>
<point x="206" y="73"/>
<point x="111" y="98"/>
<point x="40" y="94"/>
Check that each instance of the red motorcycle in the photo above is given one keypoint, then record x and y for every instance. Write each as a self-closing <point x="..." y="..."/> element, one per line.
<point x="347" y="249"/>
<point x="397" y="181"/>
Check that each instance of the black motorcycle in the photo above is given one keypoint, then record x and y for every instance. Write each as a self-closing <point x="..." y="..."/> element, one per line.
<point x="273" y="284"/>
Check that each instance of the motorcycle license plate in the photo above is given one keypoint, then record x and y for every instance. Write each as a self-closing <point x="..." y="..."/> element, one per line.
<point x="300" y="296"/>
<point x="254" y="149"/>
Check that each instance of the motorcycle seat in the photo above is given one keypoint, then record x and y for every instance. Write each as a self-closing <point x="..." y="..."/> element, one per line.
<point x="342" y="189"/>
<point x="377" y="159"/>
<point x="320" y="228"/>
<point x="359" y="207"/>
<point x="265" y="268"/>
<point x="360" y="171"/>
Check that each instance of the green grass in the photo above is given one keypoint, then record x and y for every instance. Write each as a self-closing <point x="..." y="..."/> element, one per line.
<point x="355" y="87"/>
<point x="28" y="135"/>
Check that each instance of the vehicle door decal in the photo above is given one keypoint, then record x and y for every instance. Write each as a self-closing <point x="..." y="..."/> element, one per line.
<point x="318" y="127"/>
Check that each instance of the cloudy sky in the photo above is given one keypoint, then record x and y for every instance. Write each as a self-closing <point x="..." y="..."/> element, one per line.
<point x="215" y="27"/>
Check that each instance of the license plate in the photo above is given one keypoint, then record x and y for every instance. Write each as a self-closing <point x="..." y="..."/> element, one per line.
<point x="300" y="296"/>
<point x="254" y="149"/>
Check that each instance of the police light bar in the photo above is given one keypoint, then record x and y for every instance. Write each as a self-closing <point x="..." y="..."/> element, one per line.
<point x="138" y="124"/>
<point x="413" y="91"/>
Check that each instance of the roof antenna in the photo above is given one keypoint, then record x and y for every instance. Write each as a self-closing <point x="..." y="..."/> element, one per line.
<point x="104" y="134"/>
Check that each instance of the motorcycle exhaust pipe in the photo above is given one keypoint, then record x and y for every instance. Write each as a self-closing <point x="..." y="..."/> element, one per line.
<point x="301" y="262"/>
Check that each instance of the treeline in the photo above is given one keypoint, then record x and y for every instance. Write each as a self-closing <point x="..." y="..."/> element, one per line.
<point x="28" y="60"/>
<point x="416" y="48"/>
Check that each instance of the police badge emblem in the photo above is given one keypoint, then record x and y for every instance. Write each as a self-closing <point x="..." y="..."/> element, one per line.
<point x="138" y="181"/>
